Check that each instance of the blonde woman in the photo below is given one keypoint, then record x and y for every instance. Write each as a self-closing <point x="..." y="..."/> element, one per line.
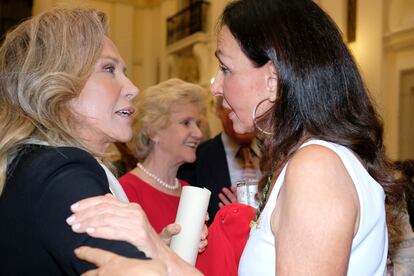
<point x="166" y="134"/>
<point x="64" y="98"/>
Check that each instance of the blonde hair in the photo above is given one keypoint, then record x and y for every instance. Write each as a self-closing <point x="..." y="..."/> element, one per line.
<point x="44" y="63"/>
<point x="154" y="109"/>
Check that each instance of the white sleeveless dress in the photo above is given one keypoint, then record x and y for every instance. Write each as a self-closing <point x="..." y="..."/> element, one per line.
<point x="369" y="246"/>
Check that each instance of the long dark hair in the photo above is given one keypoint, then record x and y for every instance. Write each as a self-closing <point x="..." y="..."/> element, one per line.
<point x="406" y="169"/>
<point x="320" y="91"/>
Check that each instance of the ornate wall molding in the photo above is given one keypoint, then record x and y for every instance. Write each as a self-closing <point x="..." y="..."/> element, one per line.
<point x="191" y="53"/>
<point x="399" y="15"/>
<point x="400" y="39"/>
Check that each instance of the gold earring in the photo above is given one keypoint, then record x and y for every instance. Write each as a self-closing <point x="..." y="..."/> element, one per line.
<point x="254" y="117"/>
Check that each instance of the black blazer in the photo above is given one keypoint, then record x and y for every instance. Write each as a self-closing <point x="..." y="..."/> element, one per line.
<point x="42" y="182"/>
<point x="210" y="170"/>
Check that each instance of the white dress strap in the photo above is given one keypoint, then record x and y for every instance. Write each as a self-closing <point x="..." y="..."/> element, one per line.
<point x="114" y="185"/>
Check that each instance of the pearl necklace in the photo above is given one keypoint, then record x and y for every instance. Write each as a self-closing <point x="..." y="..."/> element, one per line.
<point x="156" y="178"/>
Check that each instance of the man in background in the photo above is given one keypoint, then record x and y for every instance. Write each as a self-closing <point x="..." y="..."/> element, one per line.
<point x="221" y="162"/>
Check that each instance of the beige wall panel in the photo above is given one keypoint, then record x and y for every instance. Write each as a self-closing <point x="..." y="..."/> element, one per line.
<point x="148" y="47"/>
<point x="397" y="62"/>
<point x="122" y="32"/>
<point x="42" y="5"/>
<point x="337" y="9"/>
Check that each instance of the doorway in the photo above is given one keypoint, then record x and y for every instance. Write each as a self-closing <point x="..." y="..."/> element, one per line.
<point x="406" y="116"/>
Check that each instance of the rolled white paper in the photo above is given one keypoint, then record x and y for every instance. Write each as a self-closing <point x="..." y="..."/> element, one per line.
<point x="191" y="216"/>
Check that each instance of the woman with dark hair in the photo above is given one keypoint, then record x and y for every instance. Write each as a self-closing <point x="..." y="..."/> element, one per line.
<point x="325" y="171"/>
<point x="323" y="151"/>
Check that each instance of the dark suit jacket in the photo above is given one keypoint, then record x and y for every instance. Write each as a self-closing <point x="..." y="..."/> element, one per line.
<point x="42" y="182"/>
<point x="210" y="170"/>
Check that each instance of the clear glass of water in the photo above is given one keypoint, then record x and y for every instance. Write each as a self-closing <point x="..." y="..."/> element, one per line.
<point x="246" y="192"/>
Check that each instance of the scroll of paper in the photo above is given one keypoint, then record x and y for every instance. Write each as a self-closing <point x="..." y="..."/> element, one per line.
<point x="191" y="216"/>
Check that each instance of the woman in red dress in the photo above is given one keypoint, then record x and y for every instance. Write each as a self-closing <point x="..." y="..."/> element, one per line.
<point x="166" y="134"/>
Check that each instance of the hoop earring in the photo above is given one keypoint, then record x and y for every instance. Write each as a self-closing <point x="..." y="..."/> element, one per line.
<point x="254" y="118"/>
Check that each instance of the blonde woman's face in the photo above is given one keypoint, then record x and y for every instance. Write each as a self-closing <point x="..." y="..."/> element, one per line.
<point x="178" y="141"/>
<point x="104" y="105"/>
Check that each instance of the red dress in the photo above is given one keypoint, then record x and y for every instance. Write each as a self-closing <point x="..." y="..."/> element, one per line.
<point x="227" y="236"/>
<point x="160" y="208"/>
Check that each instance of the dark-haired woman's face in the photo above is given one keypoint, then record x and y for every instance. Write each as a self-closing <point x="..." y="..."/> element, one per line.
<point x="241" y="84"/>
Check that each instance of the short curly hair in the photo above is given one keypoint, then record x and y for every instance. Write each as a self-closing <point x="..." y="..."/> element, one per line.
<point x="154" y="108"/>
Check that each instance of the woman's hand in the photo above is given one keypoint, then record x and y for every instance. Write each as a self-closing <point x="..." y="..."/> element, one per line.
<point x="108" y="218"/>
<point x="173" y="229"/>
<point x="169" y="231"/>
<point x="227" y="196"/>
<point x="203" y="239"/>
<point x="112" y="264"/>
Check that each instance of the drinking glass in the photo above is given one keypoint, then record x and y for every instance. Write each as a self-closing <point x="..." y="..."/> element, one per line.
<point x="246" y="192"/>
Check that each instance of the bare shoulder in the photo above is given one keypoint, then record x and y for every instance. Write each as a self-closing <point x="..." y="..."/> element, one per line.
<point x="316" y="214"/>
<point x="318" y="164"/>
<point x="314" y="156"/>
<point x="317" y="185"/>
<point x="316" y="168"/>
